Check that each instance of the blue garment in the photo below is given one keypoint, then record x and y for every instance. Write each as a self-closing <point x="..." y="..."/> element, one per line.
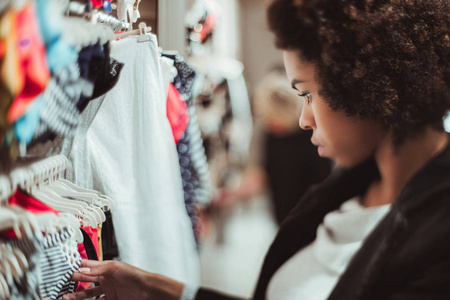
<point x="26" y="125"/>
<point x="59" y="53"/>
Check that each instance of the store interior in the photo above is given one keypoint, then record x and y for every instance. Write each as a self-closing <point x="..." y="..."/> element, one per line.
<point x="137" y="120"/>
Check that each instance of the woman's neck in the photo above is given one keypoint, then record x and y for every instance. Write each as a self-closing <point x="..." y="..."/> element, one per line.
<point x="398" y="165"/>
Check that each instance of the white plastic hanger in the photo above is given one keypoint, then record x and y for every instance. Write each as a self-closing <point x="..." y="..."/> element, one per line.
<point x="91" y="200"/>
<point x="4" y="288"/>
<point x="143" y="33"/>
<point x="14" y="265"/>
<point x="9" y="220"/>
<point x="41" y="173"/>
<point x="105" y="201"/>
<point x="5" y="188"/>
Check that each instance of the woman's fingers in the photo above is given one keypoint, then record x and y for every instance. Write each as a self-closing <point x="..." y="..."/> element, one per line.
<point x="85" y="263"/>
<point x="95" y="268"/>
<point x="89" y="293"/>
<point x="86" y="278"/>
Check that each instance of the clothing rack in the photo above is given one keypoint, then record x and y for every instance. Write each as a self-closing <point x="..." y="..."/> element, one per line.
<point x="41" y="179"/>
<point x="79" y="9"/>
<point x="27" y="176"/>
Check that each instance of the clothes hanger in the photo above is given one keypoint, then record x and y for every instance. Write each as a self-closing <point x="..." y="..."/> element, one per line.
<point x="11" y="260"/>
<point x="9" y="220"/>
<point x="93" y="204"/>
<point x="73" y="223"/>
<point x="4" y="287"/>
<point x="46" y="171"/>
<point x="28" y="179"/>
<point x="21" y="258"/>
<point x="5" y="188"/>
<point x="142" y="32"/>
<point x="7" y="272"/>
<point x="105" y="202"/>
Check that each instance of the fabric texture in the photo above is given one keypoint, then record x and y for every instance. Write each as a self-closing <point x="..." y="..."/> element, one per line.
<point x="59" y="261"/>
<point x="192" y="140"/>
<point x="177" y="113"/>
<point x="129" y="154"/>
<point x="34" y="73"/>
<point x="404" y="257"/>
<point x="313" y="271"/>
<point x="88" y="249"/>
<point x="30" y="204"/>
<point x="28" y="285"/>
<point x="110" y="251"/>
<point x="188" y="292"/>
<point x="191" y="153"/>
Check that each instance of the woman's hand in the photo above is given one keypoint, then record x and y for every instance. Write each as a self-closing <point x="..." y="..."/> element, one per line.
<point x="119" y="281"/>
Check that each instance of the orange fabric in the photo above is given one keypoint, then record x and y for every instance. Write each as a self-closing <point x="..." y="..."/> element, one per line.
<point x="33" y="73"/>
<point x="177" y="113"/>
<point x="10" y="81"/>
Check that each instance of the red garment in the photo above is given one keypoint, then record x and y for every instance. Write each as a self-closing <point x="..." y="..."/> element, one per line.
<point x="28" y="203"/>
<point x="97" y="3"/>
<point x="177" y="113"/>
<point x="208" y="26"/>
<point x="93" y="234"/>
<point x="32" y="62"/>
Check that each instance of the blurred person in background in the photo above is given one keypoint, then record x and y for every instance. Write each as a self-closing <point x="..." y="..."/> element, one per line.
<point x="281" y="156"/>
<point x="374" y="77"/>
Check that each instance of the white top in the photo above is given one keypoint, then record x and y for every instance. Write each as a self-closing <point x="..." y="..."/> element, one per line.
<point x="129" y="154"/>
<point x="313" y="272"/>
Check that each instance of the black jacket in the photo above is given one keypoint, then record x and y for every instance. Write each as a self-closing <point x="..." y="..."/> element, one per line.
<point x="406" y="257"/>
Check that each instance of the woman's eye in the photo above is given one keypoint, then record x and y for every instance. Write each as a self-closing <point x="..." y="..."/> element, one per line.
<point x="307" y="96"/>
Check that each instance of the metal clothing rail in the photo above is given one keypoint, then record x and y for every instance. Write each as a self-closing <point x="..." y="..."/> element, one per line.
<point x="79" y="9"/>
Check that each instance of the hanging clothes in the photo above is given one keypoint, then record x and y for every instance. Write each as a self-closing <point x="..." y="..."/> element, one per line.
<point x="184" y="82"/>
<point x="177" y="113"/>
<point x="129" y="154"/>
<point x="191" y="153"/>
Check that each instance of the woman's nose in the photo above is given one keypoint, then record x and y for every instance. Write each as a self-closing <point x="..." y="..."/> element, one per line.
<point x="306" y="120"/>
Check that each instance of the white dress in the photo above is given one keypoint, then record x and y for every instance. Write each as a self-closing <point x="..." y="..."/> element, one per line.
<point x="128" y="153"/>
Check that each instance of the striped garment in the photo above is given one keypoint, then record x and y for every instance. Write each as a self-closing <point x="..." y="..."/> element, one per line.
<point x="26" y="287"/>
<point x="58" y="262"/>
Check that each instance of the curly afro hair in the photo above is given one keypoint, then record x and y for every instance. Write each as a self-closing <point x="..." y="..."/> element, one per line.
<point x="382" y="59"/>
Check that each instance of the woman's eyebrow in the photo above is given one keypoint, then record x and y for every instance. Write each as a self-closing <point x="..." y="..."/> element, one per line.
<point x="294" y="82"/>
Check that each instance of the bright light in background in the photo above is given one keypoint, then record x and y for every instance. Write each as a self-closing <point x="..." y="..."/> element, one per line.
<point x="447" y="123"/>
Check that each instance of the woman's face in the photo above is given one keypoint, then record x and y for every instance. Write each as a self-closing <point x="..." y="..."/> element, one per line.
<point x="347" y="140"/>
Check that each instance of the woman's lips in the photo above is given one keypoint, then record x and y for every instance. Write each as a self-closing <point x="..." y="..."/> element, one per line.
<point x="319" y="147"/>
<point x="320" y="150"/>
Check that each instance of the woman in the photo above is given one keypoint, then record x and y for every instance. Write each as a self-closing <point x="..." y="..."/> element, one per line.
<point x="374" y="76"/>
<point x="283" y="161"/>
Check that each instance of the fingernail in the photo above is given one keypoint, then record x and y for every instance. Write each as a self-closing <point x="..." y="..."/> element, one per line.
<point x="84" y="270"/>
